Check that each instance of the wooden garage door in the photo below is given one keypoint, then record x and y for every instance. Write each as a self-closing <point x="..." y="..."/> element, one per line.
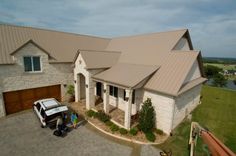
<point x="16" y="101"/>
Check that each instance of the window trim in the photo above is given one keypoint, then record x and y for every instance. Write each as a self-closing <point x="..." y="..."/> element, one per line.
<point x="31" y="58"/>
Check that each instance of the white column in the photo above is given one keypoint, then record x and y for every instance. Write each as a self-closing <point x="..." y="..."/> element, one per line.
<point x="106" y="89"/>
<point x="128" y="108"/>
<point x="90" y="100"/>
<point x="77" y="88"/>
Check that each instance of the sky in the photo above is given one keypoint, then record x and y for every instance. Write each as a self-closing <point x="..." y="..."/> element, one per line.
<point x="212" y="23"/>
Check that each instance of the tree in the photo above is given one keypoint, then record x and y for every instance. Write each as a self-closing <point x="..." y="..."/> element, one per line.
<point x="210" y="70"/>
<point x="219" y="80"/>
<point x="146" y="116"/>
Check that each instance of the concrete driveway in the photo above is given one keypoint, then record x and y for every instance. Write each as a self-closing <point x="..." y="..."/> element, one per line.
<point x="21" y="134"/>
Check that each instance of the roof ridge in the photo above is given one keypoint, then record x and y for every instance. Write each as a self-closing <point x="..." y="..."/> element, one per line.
<point x="151" y="33"/>
<point x="51" y="30"/>
<point x="138" y="64"/>
<point x="186" y="51"/>
<point x="98" y="51"/>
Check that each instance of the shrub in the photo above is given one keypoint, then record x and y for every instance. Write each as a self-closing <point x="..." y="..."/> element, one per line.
<point x="103" y="116"/>
<point x="114" y="128"/>
<point x="123" y="131"/>
<point x="159" y="131"/>
<point x="133" y="131"/>
<point x="90" y="113"/>
<point x="146" y="116"/>
<point x="150" y="136"/>
<point x="71" y="90"/>
<point x="108" y="123"/>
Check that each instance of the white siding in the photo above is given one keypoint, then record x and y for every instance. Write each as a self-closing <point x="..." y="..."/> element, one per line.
<point x="194" y="72"/>
<point x="164" y="107"/>
<point x="182" y="44"/>
<point x="185" y="103"/>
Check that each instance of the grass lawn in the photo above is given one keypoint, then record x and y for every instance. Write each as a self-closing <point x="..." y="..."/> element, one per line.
<point x="217" y="113"/>
<point x="225" y="67"/>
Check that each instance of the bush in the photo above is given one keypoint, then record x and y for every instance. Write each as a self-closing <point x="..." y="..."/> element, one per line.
<point x="123" y="131"/>
<point x="133" y="131"/>
<point x="114" y="128"/>
<point x="146" y="116"/>
<point x="90" y="113"/>
<point x="71" y="90"/>
<point x="103" y="116"/>
<point x="159" y="131"/>
<point x="150" y="136"/>
<point x="108" y="123"/>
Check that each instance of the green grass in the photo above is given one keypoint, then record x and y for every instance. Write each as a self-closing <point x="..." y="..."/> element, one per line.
<point x="217" y="113"/>
<point x="222" y="66"/>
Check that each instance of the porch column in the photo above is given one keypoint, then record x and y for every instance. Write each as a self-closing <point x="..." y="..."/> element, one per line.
<point x="128" y="110"/>
<point x="90" y="100"/>
<point x="77" y="88"/>
<point x="106" y="90"/>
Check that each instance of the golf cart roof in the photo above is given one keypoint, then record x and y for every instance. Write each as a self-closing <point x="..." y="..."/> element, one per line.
<point x="56" y="110"/>
<point x="49" y="103"/>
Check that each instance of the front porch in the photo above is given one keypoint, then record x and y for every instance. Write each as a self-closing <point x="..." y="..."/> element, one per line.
<point x="117" y="115"/>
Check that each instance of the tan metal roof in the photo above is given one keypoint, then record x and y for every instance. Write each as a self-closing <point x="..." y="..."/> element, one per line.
<point x="147" y="48"/>
<point x="128" y="75"/>
<point x="174" y="68"/>
<point x="191" y="84"/>
<point x="61" y="46"/>
<point x="99" y="59"/>
<point x="140" y="55"/>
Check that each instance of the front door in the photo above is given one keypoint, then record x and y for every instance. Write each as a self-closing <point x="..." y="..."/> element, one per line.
<point x="99" y="88"/>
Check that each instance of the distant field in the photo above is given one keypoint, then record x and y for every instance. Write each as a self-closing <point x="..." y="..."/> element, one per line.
<point x="223" y="66"/>
<point x="217" y="113"/>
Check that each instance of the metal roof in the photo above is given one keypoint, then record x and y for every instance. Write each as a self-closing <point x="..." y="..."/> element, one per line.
<point x="61" y="46"/>
<point x="99" y="59"/>
<point x="128" y="75"/>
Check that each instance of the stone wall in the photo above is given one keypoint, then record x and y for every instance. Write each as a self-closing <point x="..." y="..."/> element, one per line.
<point x="14" y="77"/>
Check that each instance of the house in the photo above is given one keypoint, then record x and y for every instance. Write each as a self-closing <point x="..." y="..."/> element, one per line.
<point x="120" y="72"/>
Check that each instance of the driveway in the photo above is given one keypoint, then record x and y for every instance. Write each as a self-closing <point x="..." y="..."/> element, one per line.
<point x="21" y="134"/>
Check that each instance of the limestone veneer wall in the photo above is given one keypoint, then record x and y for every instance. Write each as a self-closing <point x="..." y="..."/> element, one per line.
<point x="13" y="77"/>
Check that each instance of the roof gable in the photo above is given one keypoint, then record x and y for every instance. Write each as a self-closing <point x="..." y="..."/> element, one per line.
<point x="35" y="44"/>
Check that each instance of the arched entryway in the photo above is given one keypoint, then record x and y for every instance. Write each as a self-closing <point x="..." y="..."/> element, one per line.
<point x="81" y="87"/>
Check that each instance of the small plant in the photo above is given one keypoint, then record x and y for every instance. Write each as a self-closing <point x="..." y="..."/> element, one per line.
<point x="108" y="123"/>
<point x="90" y="113"/>
<point x="71" y="90"/>
<point x="150" y="136"/>
<point x="133" y="131"/>
<point x="102" y="116"/>
<point x="114" y="128"/>
<point x="159" y="131"/>
<point x="123" y="131"/>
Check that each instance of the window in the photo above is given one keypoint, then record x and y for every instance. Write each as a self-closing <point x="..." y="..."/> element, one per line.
<point x="42" y="113"/>
<point x="133" y="97"/>
<point x="32" y="63"/>
<point x="38" y="106"/>
<point x="114" y="91"/>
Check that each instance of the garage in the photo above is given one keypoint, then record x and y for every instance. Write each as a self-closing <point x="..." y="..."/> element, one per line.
<point x="16" y="101"/>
